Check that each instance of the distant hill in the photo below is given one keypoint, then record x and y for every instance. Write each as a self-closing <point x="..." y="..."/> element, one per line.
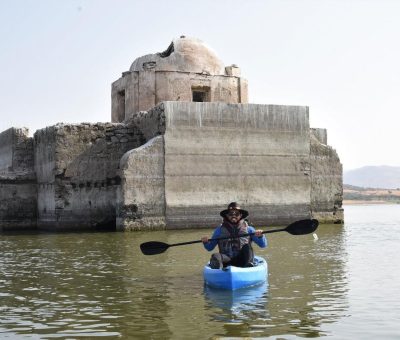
<point x="384" y="177"/>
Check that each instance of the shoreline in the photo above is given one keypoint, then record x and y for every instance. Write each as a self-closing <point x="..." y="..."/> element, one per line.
<point x="366" y="202"/>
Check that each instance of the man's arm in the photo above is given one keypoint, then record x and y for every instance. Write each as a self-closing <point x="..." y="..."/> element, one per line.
<point x="210" y="245"/>
<point x="258" y="237"/>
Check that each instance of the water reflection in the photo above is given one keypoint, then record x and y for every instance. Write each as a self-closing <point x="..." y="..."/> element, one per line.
<point x="237" y="300"/>
<point x="74" y="285"/>
<point x="310" y="287"/>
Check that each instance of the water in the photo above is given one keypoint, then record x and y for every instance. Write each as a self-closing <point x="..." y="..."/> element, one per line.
<point x="86" y="285"/>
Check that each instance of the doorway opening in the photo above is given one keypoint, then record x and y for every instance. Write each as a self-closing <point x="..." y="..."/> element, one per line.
<point x="200" y="94"/>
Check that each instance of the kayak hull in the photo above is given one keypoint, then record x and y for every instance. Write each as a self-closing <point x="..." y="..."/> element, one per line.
<point x="233" y="278"/>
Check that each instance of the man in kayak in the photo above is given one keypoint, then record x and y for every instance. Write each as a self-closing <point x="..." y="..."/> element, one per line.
<point x="235" y="251"/>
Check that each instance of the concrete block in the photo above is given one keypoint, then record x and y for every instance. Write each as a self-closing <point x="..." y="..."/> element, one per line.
<point x="141" y="195"/>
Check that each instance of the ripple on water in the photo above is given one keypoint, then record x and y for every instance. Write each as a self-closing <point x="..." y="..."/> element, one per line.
<point x="100" y="285"/>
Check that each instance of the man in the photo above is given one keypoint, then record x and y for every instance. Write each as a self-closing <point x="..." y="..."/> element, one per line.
<point x="235" y="251"/>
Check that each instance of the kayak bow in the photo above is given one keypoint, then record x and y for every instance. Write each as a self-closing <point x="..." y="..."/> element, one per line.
<point x="233" y="278"/>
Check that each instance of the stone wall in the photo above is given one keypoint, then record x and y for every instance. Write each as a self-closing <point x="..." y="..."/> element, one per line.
<point x="321" y="135"/>
<point x="6" y="150"/>
<point x="17" y="202"/>
<point x="16" y="151"/>
<point x="18" y="191"/>
<point x="215" y="153"/>
<point x="326" y="182"/>
<point x="77" y="173"/>
<point x="139" y="91"/>
<point x="174" y="166"/>
<point x="141" y="195"/>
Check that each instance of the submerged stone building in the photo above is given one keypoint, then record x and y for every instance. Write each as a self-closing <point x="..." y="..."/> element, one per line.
<point x="183" y="142"/>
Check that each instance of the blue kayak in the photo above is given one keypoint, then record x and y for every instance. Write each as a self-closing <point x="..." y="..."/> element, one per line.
<point x="235" y="277"/>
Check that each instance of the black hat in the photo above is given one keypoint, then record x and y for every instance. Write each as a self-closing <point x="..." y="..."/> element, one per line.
<point x="234" y="206"/>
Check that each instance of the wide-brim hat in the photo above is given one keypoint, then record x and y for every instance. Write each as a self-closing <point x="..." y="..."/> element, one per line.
<point x="234" y="206"/>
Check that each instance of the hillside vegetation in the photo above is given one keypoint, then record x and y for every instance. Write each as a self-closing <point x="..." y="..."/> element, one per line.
<point x="355" y="194"/>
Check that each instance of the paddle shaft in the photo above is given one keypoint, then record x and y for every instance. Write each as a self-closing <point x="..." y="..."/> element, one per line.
<point x="226" y="238"/>
<point x="301" y="227"/>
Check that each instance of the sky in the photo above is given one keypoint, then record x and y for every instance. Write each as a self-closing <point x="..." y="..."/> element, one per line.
<point x="339" y="57"/>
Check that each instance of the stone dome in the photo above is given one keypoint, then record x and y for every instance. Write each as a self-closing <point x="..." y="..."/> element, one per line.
<point x="184" y="54"/>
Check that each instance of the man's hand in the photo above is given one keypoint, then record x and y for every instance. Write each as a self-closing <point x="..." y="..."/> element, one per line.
<point x="258" y="233"/>
<point x="204" y="239"/>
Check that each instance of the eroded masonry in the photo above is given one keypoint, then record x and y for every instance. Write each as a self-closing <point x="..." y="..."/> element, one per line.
<point x="183" y="142"/>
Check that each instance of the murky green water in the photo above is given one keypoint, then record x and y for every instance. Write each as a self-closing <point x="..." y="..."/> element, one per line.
<point x="345" y="285"/>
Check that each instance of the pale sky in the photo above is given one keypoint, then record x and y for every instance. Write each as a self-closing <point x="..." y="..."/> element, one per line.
<point x="341" y="58"/>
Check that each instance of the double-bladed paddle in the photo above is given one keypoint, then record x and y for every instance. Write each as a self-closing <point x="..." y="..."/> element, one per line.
<point x="301" y="227"/>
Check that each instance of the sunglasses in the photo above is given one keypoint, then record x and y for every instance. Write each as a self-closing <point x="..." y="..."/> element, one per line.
<point x="234" y="213"/>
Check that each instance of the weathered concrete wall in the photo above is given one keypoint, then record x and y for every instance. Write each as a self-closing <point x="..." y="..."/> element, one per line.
<point x="6" y="150"/>
<point x="178" y="87"/>
<point x="148" y="124"/>
<point x="320" y="134"/>
<point x="18" y="199"/>
<point x="77" y="175"/>
<point x="16" y="151"/>
<point x="326" y="182"/>
<point x="174" y="166"/>
<point x="18" y="191"/>
<point x="44" y="150"/>
<point x="215" y="153"/>
<point x="141" y="195"/>
<point x="140" y="91"/>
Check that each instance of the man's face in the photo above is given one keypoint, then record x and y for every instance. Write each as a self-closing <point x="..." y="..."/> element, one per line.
<point x="234" y="216"/>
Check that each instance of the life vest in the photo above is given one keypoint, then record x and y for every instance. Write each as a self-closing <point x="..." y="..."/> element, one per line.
<point x="231" y="247"/>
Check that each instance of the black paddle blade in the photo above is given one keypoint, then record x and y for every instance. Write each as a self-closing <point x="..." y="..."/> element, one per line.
<point x="302" y="227"/>
<point x="153" y="247"/>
